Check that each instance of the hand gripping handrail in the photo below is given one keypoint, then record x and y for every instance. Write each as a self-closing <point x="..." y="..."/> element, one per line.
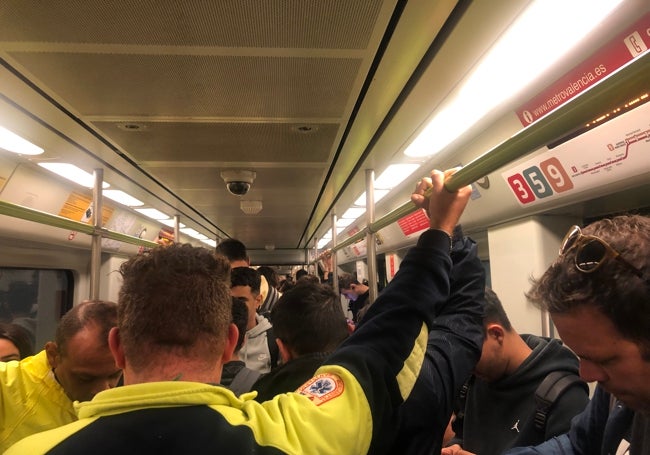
<point x="628" y="82"/>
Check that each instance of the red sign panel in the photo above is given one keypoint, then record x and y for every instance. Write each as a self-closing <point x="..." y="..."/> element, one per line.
<point x="415" y="222"/>
<point x="622" y="49"/>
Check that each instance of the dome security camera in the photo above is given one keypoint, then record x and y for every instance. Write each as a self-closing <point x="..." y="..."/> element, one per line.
<point x="238" y="182"/>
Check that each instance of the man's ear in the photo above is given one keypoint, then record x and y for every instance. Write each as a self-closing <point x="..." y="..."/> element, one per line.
<point x="285" y="352"/>
<point x="115" y="345"/>
<point x="259" y="300"/>
<point x="231" y="343"/>
<point x="495" y="331"/>
<point x="52" y="353"/>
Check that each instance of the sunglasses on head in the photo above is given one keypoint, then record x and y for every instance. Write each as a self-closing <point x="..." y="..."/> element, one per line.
<point x="591" y="252"/>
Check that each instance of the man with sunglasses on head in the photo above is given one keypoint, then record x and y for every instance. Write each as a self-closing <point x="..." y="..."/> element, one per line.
<point x="598" y="295"/>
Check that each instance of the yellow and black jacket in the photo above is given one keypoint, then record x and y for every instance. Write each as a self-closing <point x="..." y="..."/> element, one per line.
<point x="349" y="407"/>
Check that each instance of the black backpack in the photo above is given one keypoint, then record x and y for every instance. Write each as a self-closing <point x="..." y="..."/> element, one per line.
<point x="546" y="395"/>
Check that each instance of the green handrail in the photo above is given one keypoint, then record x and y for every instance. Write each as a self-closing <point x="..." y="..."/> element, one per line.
<point x="37" y="216"/>
<point x="619" y="87"/>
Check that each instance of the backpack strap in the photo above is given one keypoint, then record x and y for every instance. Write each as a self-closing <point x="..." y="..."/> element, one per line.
<point x="547" y="393"/>
<point x="274" y="351"/>
<point x="243" y="381"/>
<point x="459" y="407"/>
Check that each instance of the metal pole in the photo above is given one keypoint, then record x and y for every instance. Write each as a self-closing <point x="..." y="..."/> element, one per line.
<point x="177" y="229"/>
<point x="623" y="85"/>
<point x="371" y="246"/>
<point x="96" y="240"/>
<point x="334" y="271"/>
<point x="36" y="216"/>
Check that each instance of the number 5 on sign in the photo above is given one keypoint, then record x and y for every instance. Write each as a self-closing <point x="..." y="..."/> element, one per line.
<point x="537" y="182"/>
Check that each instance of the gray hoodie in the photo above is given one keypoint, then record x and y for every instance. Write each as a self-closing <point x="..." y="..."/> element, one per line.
<point x="255" y="351"/>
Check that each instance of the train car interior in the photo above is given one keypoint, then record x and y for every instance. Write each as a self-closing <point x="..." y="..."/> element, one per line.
<point x="301" y="127"/>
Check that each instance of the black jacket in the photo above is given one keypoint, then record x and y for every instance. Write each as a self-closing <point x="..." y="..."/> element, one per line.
<point x="505" y="409"/>
<point x="288" y="377"/>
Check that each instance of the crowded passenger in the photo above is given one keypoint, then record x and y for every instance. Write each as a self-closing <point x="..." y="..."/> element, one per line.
<point x="501" y="399"/>
<point x="308" y="325"/>
<point x="273" y="295"/>
<point x="300" y="273"/>
<point x="37" y="393"/>
<point x="235" y="375"/>
<point x="259" y="352"/>
<point x="237" y="254"/>
<point x="174" y="334"/>
<point x="358" y="295"/>
<point x="598" y="295"/>
<point x="15" y="342"/>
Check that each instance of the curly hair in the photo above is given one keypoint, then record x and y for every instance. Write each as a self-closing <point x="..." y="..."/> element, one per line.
<point x="174" y="300"/>
<point x="621" y="295"/>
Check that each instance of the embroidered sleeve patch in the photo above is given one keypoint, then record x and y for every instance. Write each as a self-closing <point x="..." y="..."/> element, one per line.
<point x="322" y="388"/>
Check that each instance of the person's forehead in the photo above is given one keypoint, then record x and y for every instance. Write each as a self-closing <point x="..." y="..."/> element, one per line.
<point x="241" y="291"/>
<point x="587" y="331"/>
<point x="7" y="348"/>
<point x="87" y="347"/>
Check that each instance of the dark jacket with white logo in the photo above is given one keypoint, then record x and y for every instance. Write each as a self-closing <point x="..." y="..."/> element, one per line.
<point x="598" y="430"/>
<point x="505" y="409"/>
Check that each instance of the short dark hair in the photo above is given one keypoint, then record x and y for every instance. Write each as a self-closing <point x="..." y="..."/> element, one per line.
<point x="346" y="280"/>
<point x="89" y="312"/>
<point x="308" y="318"/>
<point x="19" y="336"/>
<point x="494" y="312"/>
<point x="246" y="276"/>
<point x="300" y="273"/>
<point x="233" y="249"/>
<point x="619" y="294"/>
<point x="240" y="319"/>
<point x="174" y="300"/>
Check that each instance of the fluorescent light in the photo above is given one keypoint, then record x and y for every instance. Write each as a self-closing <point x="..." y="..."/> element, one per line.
<point x="123" y="198"/>
<point x="211" y="242"/>
<point x="153" y="214"/>
<point x="354" y="212"/>
<point x="394" y="175"/>
<point x="11" y="142"/>
<point x="193" y="233"/>
<point x="323" y="242"/>
<point x="344" y="222"/>
<point x="520" y="55"/>
<point x="327" y="235"/>
<point x="379" y="195"/>
<point x="72" y="173"/>
<point x="171" y="223"/>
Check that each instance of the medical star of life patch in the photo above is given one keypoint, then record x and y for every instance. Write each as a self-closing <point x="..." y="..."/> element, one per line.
<point x="322" y="388"/>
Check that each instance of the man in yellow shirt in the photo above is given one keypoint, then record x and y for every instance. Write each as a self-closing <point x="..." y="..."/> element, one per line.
<point x="37" y="393"/>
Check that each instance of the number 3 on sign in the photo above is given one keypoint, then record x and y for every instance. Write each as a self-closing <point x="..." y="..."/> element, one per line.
<point x="521" y="188"/>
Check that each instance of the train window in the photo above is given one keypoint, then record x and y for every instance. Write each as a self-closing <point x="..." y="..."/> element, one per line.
<point x="35" y="299"/>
